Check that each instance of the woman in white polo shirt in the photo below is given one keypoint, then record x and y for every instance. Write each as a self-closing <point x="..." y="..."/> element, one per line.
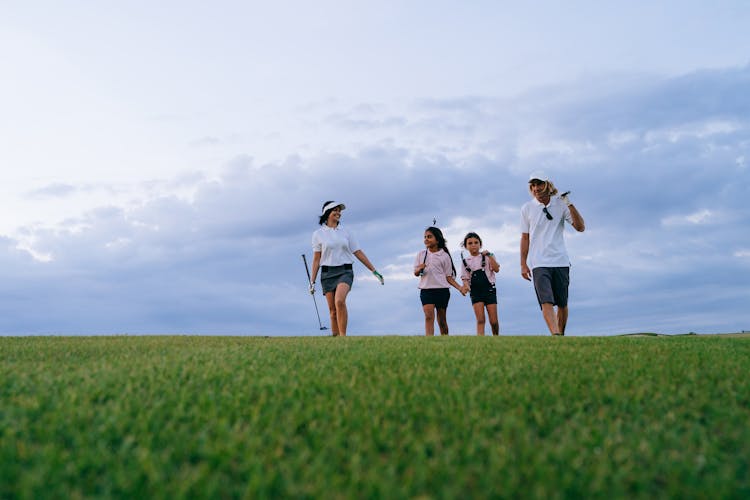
<point x="334" y="249"/>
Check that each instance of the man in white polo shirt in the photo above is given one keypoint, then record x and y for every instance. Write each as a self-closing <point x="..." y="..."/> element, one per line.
<point x="543" y="255"/>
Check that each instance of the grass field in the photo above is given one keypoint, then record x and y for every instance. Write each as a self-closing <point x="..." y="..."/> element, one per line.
<point x="375" y="417"/>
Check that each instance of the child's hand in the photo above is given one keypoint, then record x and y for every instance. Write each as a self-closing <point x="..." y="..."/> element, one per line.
<point x="419" y="270"/>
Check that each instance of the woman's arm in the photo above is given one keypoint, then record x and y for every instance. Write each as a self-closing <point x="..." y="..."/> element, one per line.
<point x="315" y="266"/>
<point x="364" y="260"/>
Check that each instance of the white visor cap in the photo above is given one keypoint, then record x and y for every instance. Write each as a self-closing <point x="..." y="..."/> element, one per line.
<point x="331" y="205"/>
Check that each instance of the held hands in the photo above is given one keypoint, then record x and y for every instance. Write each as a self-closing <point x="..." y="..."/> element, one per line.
<point x="379" y="277"/>
<point x="419" y="270"/>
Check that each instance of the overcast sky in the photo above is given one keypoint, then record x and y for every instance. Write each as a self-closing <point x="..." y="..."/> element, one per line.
<point x="163" y="164"/>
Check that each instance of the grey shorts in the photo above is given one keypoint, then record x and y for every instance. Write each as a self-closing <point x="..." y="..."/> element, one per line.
<point x="551" y="285"/>
<point x="331" y="276"/>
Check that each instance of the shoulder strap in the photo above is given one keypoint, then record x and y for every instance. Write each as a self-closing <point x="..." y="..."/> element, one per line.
<point x="465" y="264"/>
<point x="453" y="268"/>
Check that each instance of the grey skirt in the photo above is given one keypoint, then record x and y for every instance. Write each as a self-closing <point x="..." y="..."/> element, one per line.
<point x="331" y="276"/>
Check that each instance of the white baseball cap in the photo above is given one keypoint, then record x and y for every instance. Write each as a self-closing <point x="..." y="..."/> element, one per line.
<point x="539" y="176"/>
<point x="331" y="205"/>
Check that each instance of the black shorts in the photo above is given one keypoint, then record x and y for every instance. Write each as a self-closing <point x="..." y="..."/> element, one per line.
<point x="488" y="296"/>
<point x="331" y="276"/>
<point x="551" y="285"/>
<point x="437" y="296"/>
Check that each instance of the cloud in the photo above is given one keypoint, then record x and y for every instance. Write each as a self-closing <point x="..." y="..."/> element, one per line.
<point x="701" y="217"/>
<point x="56" y="190"/>
<point x="205" y="141"/>
<point x="698" y="130"/>
<point x="655" y="178"/>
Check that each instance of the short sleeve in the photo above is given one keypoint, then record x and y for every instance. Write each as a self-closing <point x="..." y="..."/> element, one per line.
<point x="353" y="245"/>
<point x="524" y="220"/>
<point x="446" y="261"/>
<point x="317" y="244"/>
<point x="464" y="272"/>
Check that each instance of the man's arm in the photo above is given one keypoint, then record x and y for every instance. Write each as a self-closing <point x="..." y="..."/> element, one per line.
<point x="525" y="272"/>
<point x="575" y="215"/>
<point x="577" y="223"/>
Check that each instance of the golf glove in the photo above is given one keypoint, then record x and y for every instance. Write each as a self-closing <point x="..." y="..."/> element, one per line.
<point x="312" y="288"/>
<point x="564" y="197"/>
<point x="379" y="277"/>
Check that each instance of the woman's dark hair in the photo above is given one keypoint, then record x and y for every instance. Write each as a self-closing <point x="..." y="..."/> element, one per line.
<point x="438" y="234"/>
<point x="471" y="235"/>
<point x="324" y="217"/>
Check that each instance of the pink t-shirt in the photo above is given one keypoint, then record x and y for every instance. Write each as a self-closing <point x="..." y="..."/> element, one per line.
<point x="475" y="263"/>
<point x="437" y="270"/>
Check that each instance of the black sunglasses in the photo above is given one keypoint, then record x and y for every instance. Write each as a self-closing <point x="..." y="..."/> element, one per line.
<point x="549" y="215"/>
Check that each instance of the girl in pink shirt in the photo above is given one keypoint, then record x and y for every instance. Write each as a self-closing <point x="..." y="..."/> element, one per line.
<point x="435" y="269"/>
<point x="478" y="275"/>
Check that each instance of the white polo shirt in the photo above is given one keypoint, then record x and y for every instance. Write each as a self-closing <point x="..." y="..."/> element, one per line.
<point x="336" y="245"/>
<point x="546" y="242"/>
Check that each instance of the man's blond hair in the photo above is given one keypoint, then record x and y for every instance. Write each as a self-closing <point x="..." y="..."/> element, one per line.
<point x="549" y="189"/>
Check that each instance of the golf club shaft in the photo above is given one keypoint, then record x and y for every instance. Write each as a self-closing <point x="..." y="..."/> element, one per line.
<point x="309" y="281"/>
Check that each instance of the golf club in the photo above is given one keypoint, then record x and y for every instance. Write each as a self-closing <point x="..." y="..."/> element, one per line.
<point x="304" y="259"/>
<point x="421" y="273"/>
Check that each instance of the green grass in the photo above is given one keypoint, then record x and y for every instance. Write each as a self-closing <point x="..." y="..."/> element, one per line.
<point x="375" y="417"/>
